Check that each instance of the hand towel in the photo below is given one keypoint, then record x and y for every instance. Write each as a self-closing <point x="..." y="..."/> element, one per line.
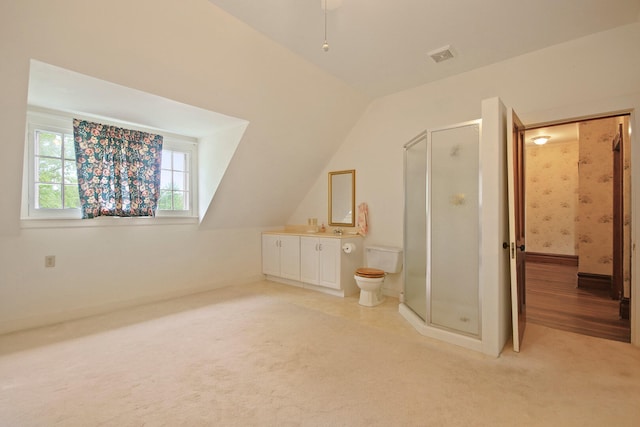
<point x="363" y="219"/>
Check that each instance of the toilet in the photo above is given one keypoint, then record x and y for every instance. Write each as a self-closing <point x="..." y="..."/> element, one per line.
<point x="380" y="260"/>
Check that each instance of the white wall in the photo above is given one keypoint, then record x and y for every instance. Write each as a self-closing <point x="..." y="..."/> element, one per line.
<point x="592" y="75"/>
<point x="193" y="53"/>
<point x="98" y="269"/>
<point x="196" y="54"/>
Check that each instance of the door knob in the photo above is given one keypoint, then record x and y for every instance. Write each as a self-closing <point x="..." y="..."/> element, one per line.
<point x="521" y="247"/>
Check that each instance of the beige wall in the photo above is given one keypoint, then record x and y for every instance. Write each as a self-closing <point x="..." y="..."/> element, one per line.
<point x="551" y="197"/>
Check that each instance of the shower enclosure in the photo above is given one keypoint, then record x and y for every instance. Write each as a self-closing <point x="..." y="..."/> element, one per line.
<point x="442" y="234"/>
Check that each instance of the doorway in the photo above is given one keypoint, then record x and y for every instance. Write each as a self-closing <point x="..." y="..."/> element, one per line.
<point x="577" y="216"/>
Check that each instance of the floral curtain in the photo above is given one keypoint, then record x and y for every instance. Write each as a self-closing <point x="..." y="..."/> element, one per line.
<point x="118" y="170"/>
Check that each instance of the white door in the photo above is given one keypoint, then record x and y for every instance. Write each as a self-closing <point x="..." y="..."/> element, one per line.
<point x="330" y="263"/>
<point x="515" y="170"/>
<point x="290" y="257"/>
<point x="309" y="259"/>
<point x="271" y="254"/>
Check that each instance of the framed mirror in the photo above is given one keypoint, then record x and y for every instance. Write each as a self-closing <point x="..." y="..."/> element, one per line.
<point x="342" y="198"/>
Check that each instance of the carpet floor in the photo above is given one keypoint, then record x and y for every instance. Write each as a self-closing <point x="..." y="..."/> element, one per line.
<point x="267" y="354"/>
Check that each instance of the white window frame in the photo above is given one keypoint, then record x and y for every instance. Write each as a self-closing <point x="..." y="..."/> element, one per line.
<point x="191" y="149"/>
<point x="42" y="119"/>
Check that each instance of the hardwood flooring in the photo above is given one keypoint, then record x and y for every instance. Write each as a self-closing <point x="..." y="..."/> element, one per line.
<point x="554" y="300"/>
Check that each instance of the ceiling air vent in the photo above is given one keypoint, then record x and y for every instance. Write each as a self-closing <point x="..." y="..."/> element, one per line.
<point x="441" y="54"/>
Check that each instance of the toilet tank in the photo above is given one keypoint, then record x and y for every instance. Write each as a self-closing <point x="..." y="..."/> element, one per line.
<point x="386" y="258"/>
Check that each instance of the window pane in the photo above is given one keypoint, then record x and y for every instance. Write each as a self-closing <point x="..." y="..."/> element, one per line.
<point x="164" y="203"/>
<point x="166" y="159"/>
<point x="70" y="172"/>
<point x="49" y="170"/>
<point x="179" y="181"/>
<point x="71" y="197"/>
<point x="69" y="148"/>
<point x="165" y="180"/>
<point x="48" y="196"/>
<point x="179" y="161"/>
<point x="48" y="144"/>
<point x="179" y="200"/>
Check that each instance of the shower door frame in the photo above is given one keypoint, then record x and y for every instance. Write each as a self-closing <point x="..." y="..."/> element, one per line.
<point x="476" y="339"/>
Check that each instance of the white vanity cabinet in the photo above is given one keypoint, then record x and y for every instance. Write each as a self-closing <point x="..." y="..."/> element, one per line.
<point x="311" y="261"/>
<point x="281" y="256"/>
<point x="320" y="261"/>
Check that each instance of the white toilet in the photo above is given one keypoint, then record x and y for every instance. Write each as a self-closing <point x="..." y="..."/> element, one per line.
<point x="380" y="260"/>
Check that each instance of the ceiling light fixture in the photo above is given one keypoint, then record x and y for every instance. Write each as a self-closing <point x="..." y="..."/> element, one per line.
<point x="541" y="140"/>
<point x="325" y="45"/>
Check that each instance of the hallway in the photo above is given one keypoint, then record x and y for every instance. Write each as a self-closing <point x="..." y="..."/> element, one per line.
<point x="554" y="300"/>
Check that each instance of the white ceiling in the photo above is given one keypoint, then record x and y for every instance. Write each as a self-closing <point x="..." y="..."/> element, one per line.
<point x="380" y="46"/>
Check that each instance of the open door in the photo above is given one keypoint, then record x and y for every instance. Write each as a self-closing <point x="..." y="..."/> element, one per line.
<point x="515" y="172"/>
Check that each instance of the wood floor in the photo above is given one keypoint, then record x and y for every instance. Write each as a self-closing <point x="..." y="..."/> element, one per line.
<point x="554" y="300"/>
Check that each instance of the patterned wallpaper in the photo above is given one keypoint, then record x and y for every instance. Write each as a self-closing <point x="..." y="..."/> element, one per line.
<point x="595" y="213"/>
<point x="551" y="189"/>
<point x="569" y="208"/>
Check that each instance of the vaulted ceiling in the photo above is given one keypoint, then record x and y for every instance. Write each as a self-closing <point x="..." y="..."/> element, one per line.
<point x="381" y="46"/>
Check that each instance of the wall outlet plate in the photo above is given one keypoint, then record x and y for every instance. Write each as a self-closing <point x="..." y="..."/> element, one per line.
<point x="50" y="261"/>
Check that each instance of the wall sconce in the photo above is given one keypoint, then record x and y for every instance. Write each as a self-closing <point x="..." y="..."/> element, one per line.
<point x="540" y="140"/>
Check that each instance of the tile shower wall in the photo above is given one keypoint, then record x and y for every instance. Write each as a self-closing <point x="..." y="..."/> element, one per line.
<point x="551" y="198"/>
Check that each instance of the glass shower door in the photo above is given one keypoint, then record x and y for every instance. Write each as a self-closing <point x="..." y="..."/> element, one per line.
<point x="453" y="234"/>
<point x="415" y="225"/>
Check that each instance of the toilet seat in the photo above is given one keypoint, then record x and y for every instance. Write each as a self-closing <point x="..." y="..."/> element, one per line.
<point x="369" y="273"/>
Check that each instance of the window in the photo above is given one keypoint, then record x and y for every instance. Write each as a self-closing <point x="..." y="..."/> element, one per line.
<point x="177" y="185"/>
<point x="56" y="182"/>
<point x="174" y="193"/>
<point x="51" y="178"/>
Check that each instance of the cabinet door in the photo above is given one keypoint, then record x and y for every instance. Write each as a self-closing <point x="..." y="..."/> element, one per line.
<point x="309" y="259"/>
<point x="290" y="257"/>
<point x="330" y="263"/>
<point x="271" y="254"/>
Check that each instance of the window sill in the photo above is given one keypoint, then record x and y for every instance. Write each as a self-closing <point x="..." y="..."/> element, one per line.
<point x="107" y="222"/>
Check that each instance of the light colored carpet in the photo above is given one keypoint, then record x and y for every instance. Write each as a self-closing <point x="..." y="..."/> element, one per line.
<point x="271" y="355"/>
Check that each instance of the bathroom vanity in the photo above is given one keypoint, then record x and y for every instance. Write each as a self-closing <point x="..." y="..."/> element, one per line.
<point x="324" y="262"/>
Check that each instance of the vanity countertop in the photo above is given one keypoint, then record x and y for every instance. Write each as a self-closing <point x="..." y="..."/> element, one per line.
<point x="330" y="234"/>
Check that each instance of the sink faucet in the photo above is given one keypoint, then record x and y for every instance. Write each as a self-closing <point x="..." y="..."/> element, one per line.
<point x="338" y="231"/>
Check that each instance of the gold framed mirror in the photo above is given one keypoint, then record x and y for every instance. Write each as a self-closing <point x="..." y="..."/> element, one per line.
<point x="342" y="198"/>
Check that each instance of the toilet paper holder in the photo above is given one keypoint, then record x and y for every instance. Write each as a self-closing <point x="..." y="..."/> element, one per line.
<point x="347" y="248"/>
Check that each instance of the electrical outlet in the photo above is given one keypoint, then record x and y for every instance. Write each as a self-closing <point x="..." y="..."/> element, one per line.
<point x="50" y="261"/>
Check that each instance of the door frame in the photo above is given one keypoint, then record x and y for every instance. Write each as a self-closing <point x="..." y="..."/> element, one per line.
<point x="578" y="113"/>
